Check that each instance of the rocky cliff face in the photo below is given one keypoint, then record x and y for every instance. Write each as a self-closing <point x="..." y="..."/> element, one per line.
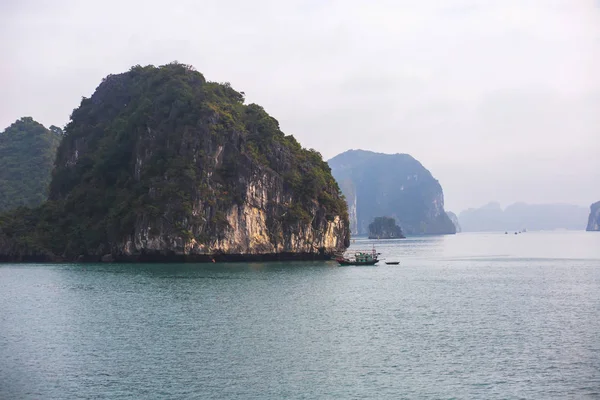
<point x="349" y="190"/>
<point x="161" y="164"/>
<point x="454" y="220"/>
<point x="395" y="185"/>
<point x="594" y="219"/>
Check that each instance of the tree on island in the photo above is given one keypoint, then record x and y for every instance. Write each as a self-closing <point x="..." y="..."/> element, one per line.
<point x="385" y="228"/>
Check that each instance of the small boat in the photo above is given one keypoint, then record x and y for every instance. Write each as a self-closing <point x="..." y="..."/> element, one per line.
<point x="360" y="258"/>
<point x="392" y="262"/>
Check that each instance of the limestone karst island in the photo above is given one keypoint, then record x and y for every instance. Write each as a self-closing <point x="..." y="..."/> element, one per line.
<point x="391" y="185"/>
<point x="160" y="164"/>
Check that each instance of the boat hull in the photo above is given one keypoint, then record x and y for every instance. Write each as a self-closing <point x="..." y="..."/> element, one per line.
<point x="348" y="262"/>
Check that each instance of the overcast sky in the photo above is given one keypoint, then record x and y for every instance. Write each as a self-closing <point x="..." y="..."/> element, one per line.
<point x="499" y="99"/>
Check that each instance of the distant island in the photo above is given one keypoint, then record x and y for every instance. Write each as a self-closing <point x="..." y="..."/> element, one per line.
<point x="27" y="151"/>
<point x="395" y="185"/>
<point x="160" y="164"/>
<point x="519" y="216"/>
<point x="384" y="228"/>
<point x="594" y="218"/>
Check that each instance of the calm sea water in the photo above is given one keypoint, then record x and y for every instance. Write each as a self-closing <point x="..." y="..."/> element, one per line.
<point x="487" y="316"/>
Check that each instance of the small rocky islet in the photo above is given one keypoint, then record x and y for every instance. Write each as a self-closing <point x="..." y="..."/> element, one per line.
<point x="385" y="228"/>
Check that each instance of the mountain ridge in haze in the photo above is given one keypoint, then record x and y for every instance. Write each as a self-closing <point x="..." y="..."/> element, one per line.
<point x="519" y="216"/>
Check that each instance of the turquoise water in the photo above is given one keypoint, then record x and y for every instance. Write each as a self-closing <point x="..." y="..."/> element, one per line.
<point x="489" y="316"/>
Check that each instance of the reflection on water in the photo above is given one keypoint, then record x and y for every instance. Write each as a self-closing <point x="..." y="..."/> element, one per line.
<point x="464" y="316"/>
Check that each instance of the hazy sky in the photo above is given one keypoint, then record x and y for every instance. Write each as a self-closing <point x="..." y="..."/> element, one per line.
<point x="499" y="99"/>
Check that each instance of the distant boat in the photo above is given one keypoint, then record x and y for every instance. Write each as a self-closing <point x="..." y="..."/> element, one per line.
<point x="360" y="258"/>
<point x="392" y="262"/>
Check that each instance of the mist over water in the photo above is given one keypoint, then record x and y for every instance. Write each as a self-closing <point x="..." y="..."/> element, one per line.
<point x="466" y="316"/>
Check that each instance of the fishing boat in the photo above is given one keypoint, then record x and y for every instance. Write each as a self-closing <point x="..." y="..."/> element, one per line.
<point x="360" y="258"/>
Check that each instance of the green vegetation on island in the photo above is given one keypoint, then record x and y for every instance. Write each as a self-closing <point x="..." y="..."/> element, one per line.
<point x="27" y="151"/>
